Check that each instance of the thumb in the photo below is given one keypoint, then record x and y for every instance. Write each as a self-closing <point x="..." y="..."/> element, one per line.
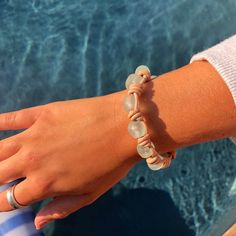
<point x="60" y="208"/>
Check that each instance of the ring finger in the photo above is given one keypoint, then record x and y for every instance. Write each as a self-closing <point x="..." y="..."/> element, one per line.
<point x="11" y="169"/>
<point x="24" y="193"/>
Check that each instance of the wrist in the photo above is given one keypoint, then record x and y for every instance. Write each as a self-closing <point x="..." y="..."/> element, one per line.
<point x="178" y="107"/>
<point x="124" y="144"/>
<point x="183" y="102"/>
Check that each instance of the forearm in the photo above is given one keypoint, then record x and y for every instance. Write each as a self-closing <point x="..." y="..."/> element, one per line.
<point x="186" y="106"/>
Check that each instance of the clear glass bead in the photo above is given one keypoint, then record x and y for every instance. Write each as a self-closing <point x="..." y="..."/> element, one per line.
<point x="129" y="102"/>
<point x="144" y="152"/>
<point x="141" y="68"/>
<point x="156" y="166"/>
<point x="137" y="129"/>
<point x="133" y="79"/>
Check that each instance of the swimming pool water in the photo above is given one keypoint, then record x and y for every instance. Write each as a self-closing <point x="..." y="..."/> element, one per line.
<point x="58" y="50"/>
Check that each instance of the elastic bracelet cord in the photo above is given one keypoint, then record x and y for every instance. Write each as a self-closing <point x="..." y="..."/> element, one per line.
<point x="137" y="127"/>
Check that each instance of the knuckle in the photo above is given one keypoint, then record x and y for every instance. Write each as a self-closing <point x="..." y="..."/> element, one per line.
<point x="13" y="145"/>
<point x="42" y="189"/>
<point x="10" y="144"/>
<point x="10" y="118"/>
<point x="14" y="141"/>
<point x="48" y="114"/>
<point x="32" y="157"/>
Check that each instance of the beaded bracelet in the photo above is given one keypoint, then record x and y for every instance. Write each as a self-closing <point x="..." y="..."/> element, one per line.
<point x="137" y="127"/>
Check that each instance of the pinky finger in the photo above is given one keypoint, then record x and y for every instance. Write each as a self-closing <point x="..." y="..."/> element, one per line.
<point x="60" y="208"/>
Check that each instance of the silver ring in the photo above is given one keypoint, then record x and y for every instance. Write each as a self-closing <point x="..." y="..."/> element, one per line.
<point x="11" y="198"/>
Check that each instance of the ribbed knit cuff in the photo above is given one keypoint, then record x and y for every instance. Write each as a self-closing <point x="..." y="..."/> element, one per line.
<point x="223" y="58"/>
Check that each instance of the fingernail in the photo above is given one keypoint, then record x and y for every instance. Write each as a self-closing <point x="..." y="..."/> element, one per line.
<point x="41" y="224"/>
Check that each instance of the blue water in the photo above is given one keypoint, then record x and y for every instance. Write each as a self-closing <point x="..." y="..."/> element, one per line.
<point x="59" y="50"/>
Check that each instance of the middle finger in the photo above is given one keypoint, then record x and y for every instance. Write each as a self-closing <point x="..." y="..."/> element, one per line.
<point x="8" y="149"/>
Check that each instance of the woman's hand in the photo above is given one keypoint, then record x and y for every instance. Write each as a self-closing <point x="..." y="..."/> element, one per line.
<point x="71" y="151"/>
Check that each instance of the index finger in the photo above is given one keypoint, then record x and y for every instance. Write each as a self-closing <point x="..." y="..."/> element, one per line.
<point x="20" y="119"/>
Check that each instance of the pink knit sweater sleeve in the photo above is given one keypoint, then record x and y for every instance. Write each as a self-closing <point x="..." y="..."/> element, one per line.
<point x="223" y="57"/>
